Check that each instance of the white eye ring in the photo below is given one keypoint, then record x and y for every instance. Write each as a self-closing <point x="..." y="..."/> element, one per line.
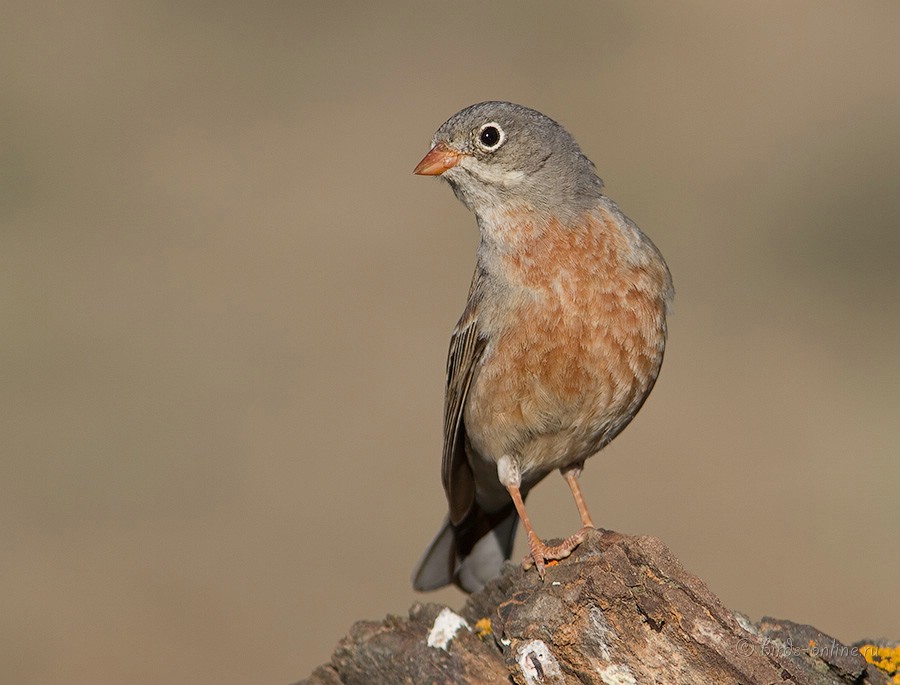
<point x="490" y="136"/>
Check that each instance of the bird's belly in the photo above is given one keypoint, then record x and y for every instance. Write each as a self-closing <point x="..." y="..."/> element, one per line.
<point x="543" y="431"/>
<point x="554" y="392"/>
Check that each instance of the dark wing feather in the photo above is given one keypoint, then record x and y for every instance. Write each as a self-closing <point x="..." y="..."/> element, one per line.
<point x="466" y="347"/>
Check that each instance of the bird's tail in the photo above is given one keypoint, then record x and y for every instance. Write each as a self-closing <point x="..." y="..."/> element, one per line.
<point x="468" y="554"/>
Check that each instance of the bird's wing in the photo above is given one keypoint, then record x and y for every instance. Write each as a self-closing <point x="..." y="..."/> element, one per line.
<point x="466" y="348"/>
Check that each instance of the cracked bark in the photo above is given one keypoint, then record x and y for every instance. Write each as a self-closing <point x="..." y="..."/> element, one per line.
<point x="620" y="610"/>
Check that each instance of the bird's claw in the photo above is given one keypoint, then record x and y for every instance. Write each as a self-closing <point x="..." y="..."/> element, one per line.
<point x="540" y="553"/>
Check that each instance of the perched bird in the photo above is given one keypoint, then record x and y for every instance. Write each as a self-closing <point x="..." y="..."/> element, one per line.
<point x="560" y="343"/>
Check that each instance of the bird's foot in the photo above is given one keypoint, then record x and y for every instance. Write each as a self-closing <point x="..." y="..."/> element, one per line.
<point x="540" y="553"/>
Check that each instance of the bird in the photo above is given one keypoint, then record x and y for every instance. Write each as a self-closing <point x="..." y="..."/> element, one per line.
<point x="560" y="342"/>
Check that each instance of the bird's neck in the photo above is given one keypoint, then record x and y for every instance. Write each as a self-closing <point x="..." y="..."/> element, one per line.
<point x="522" y="245"/>
<point x="517" y="243"/>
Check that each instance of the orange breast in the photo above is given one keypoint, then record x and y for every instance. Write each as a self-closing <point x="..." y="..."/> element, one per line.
<point x="576" y="346"/>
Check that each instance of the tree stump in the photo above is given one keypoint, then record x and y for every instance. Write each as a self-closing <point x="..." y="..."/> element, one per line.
<point x="621" y="610"/>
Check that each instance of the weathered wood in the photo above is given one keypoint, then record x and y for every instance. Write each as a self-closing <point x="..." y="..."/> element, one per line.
<point x="620" y="610"/>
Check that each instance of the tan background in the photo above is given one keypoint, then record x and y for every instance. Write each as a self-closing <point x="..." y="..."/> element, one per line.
<point x="226" y="302"/>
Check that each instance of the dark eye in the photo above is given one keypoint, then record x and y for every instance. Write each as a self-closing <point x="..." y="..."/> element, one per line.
<point x="491" y="136"/>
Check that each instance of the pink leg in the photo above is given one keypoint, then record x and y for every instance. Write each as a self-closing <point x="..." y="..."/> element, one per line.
<point x="571" y="476"/>
<point x="539" y="552"/>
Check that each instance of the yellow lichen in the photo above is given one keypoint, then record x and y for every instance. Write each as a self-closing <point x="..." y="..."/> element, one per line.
<point x="483" y="628"/>
<point x="886" y="659"/>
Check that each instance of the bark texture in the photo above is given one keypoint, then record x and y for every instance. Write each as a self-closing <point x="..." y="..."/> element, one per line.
<point x="621" y="610"/>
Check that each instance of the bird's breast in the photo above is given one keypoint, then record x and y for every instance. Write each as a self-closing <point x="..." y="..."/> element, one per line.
<point x="575" y="336"/>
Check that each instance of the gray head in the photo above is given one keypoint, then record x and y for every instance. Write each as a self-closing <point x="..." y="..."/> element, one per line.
<point x="498" y="154"/>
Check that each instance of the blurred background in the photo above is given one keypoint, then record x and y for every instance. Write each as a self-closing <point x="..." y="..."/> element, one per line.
<point x="226" y="302"/>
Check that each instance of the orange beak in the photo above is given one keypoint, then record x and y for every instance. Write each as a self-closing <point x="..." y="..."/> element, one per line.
<point x="437" y="161"/>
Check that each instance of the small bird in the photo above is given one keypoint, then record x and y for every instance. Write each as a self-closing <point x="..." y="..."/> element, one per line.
<point x="560" y="343"/>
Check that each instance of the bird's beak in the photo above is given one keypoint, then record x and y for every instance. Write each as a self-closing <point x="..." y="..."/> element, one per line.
<point x="437" y="161"/>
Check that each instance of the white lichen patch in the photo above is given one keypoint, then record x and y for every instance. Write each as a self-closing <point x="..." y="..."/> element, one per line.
<point x="745" y="623"/>
<point x="710" y="632"/>
<point x="616" y="674"/>
<point x="600" y="631"/>
<point x="446" y="626"/>
<point x="537" y="663"/>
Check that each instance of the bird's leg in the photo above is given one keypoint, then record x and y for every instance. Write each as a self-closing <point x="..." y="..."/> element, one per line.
<point x="541" y="552"/>
<point x="535" y="546"/>
<point x="571" y="475"/>
<point x="538" y="551"/>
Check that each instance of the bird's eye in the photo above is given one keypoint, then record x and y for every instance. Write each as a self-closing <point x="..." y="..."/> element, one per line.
<point x="491" y="136"/>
